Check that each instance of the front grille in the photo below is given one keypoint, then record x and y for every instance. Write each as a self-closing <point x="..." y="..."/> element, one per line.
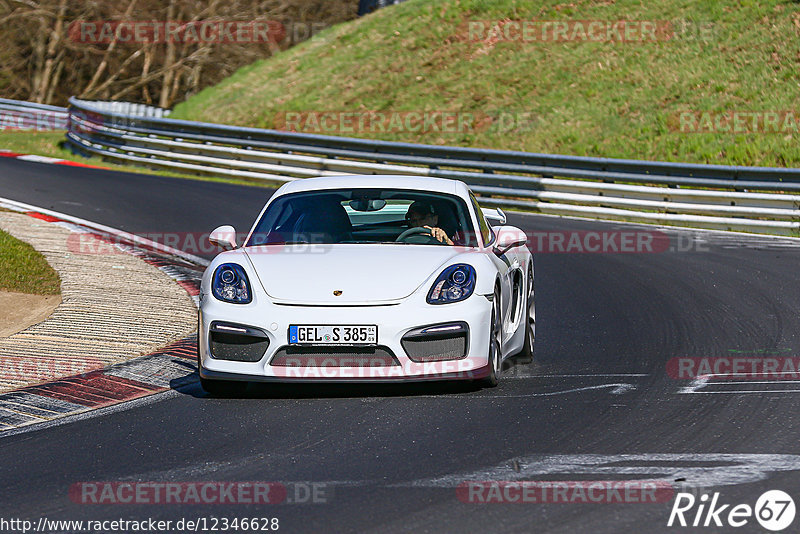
<point x="453" y="348"/>
<point x="237" y="343"/>
<point x="436" y="343"/>
<point x="334" y="357"/>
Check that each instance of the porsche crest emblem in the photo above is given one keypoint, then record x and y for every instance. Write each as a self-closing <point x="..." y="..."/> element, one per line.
<point x="337" y="292"/>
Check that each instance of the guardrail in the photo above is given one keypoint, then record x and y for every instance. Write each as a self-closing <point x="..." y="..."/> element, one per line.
<point x="18" y="115"/>
<point x="128" y="108"/>
<point x="750" y="199"/>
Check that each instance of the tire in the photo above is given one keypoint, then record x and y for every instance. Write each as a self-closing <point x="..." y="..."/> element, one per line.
<point x="526" y="354"/>
<point x="495" y="347"/>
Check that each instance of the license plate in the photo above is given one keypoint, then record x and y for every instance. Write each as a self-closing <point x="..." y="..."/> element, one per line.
<point x="333" y="335"/>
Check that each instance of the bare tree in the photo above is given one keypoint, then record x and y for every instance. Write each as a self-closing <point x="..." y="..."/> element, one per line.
<point x="47" y="58"/>
<point x="52" y="60"/>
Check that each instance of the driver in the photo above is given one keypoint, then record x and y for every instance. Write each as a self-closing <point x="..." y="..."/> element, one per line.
<point x="422" y="214"/>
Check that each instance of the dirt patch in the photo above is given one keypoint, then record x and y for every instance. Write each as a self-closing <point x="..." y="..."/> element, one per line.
<point x="18" y="311"/>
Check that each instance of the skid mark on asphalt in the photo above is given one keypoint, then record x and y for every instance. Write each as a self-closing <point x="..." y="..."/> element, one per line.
<point x="754" y="242"/>
<point x="613" y="389"/>
<point x="614" y="375"/>
<point x="701" y="239"/>
<point x="682" y="471"/>
<point x="567" y="384"/>
<point x="706" y="385"/>
<point x="693" y="469"/>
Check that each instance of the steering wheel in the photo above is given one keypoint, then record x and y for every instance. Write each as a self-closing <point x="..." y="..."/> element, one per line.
<point x="417" y="234"/>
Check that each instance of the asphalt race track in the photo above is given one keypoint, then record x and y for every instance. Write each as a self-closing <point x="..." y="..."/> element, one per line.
<point x="597" y="404"/>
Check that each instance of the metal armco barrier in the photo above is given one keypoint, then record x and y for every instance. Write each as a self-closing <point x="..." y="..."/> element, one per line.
<point x="748" y="199"/>
<point x="17" y="115"/>
<point x="20" y="115"/>
<point x="129" y="108"/>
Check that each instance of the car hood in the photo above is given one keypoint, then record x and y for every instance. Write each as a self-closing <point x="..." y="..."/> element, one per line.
<point x="363" y="273"/>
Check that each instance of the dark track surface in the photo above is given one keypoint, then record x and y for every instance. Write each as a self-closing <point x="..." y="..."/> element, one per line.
<point x="377" y="448"/>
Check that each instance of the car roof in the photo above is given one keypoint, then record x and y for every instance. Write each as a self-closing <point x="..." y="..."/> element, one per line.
<point x="390" y="181"/>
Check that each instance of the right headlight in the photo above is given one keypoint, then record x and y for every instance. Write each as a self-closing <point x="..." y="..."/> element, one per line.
<point x="456" y="283"/>
<point x="230" y="284"/>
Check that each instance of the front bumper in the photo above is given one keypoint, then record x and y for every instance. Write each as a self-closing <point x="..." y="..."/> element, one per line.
<point x="393" y="322"/>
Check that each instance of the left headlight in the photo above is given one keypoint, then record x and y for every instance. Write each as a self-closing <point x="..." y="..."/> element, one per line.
<point x="456" y="283"/>
<point x="230" y="284"/>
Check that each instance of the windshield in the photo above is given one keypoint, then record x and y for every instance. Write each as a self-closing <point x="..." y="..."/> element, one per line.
<point x="365" y="216"/>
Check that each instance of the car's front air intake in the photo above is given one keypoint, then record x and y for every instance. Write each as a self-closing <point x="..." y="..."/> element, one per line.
<point x="437" y="342"/>
<point x="330" y="356"/>
<point x="237" y="343"/>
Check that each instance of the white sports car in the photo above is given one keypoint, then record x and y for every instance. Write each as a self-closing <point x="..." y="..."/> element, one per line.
<point x="366" y="278"/>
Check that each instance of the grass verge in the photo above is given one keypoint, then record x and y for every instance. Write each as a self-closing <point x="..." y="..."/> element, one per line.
<point x="579" y="97"/>
<point x="24" y="270"/>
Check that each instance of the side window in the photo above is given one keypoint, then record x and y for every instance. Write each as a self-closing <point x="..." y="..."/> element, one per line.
<point x="486" y="232"/>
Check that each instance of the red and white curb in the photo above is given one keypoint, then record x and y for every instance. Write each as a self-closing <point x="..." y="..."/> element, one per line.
<point x="171" y="367"/>
<point x="46" y="159"/>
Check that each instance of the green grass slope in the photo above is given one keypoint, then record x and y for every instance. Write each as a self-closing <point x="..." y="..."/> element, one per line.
<point x="24" y="270"/>
<point x="612" y="99"/>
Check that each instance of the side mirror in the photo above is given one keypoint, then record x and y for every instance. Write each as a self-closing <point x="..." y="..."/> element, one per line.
<point x="224" y="236"/>
<point x="495" y="216"/>
<point x="508" y="237"/>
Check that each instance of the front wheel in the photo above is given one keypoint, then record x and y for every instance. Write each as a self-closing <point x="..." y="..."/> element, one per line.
<point x="495" y="340"/>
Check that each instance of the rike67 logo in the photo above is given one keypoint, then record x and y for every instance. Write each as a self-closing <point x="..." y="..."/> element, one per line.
<point x="774" y="510"/>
